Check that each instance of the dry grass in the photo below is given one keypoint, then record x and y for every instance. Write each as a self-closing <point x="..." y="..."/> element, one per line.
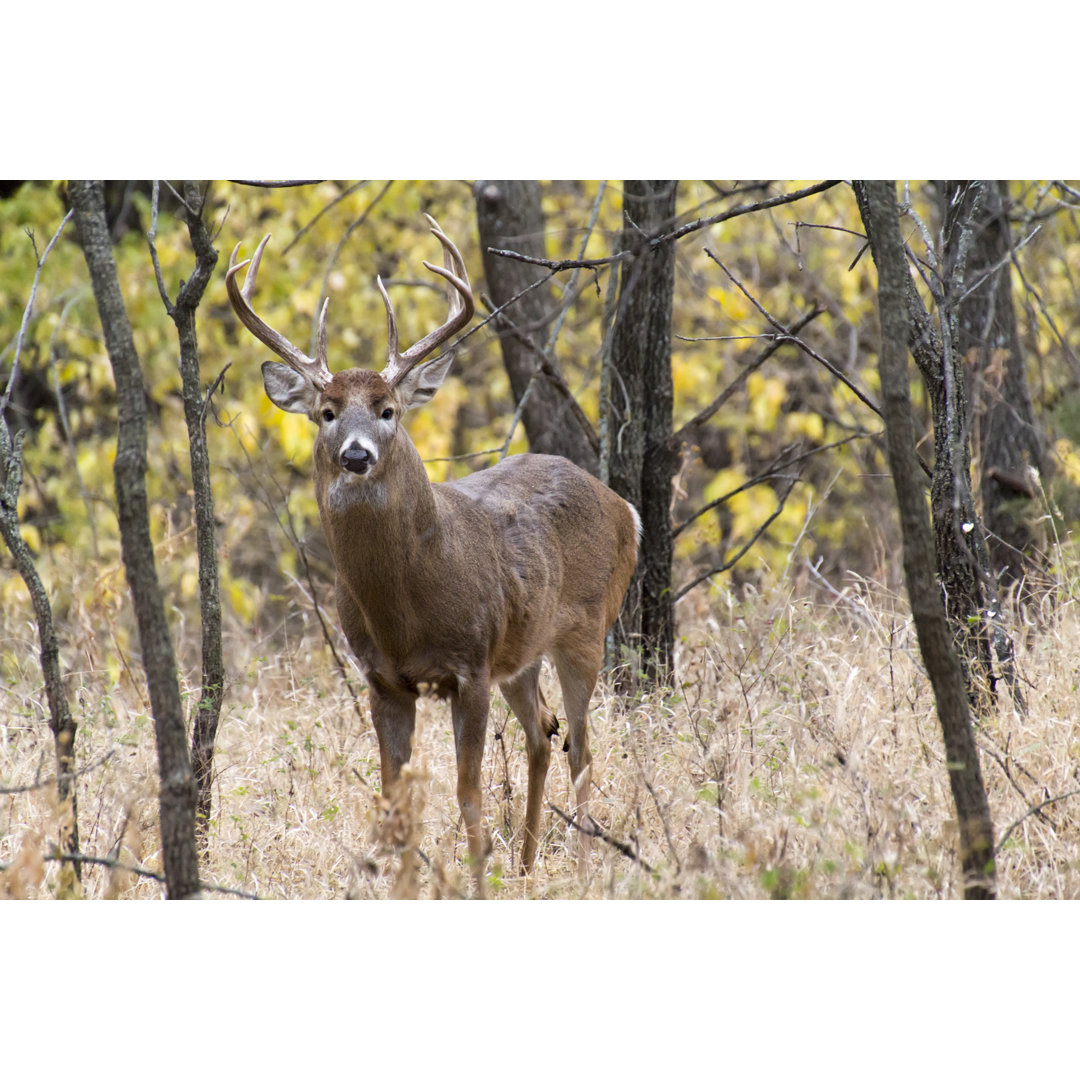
<point x="800" y="757"/>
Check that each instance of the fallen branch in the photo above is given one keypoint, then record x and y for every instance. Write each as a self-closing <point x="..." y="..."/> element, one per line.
<point x="1033" y="810"/>
<point x="592" y="829"/>
<point x="63" y="777"/>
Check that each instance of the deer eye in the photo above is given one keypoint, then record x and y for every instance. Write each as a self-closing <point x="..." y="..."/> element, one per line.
<point x="328" y="415"/>
<point x="388" y="413"/>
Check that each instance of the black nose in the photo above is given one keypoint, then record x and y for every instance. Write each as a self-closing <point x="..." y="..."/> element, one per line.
<point x="356" y="459"/>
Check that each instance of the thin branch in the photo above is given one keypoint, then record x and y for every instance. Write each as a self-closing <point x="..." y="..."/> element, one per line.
<point x="559" y="265"/>
<point x="276" y="183"/>
<point x="1033" y="810"/>
<point x="740" y="379"/>
<point x="337" y="251"/>
<point x="546" y="367"/>
<point x="955" y="301"/>
<point x="590" y="225"/>
<point x="142" y="871"/>
<point x="329" y="206"/>
<point x="771" y="472"/>
<point x="39" y="784"/>
<point x="65" y="424"/>
<point x="827" y="364"/>
<point x="219" y="381"/>
<point x="151" y="237"/>
<point x="680" y="593"/>
<point x="29" y="308"/>
<point x="591" y="828"/>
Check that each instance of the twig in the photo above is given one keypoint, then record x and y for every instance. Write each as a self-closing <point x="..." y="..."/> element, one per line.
<point x="545" y="366"/>
<point x="329" y="206"/>
<point x="827" y="364"/>
<point x="560" y="319"/>
<point x="219" y="381"/>
<point x="142" y="871"/>
<point x="38" y="784"/>
<point x="771" y="472"/>
<point x="151" y="237"/>
<point x="740" y="379"/>
<point x="1033" y="810"/>
<point x="559" y="265"/>
<point x="276" y="183"/>
<point x="593" y="829"/>
<point x="353" y="226"/>
<point x="29" y="308"/>
<point x="680" y="593"/>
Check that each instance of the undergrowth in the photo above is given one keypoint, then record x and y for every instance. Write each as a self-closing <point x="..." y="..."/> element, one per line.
<point x="798" y="756"/>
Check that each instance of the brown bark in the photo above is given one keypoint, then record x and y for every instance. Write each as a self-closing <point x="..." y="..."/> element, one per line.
<point x="61" y="722"/>
<point x="1007" y="435"/>
<point x="642" y="457"/>
<point x="177" y="788"/>
<point x="207" y="711"/>
<point x="935" y="639"/>
<point x="509" y="216"/>
<point x="961" y="559"/>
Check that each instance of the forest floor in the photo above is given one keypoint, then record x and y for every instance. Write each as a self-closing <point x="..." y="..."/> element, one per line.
<point x="800" y="756"/>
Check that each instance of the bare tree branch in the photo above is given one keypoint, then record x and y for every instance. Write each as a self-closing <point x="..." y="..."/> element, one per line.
<point x="827" y="364"/>
<point x="29" y="308"/>
<point x="591" y="828"/>
<point x="729" y="563"/>
<point x="652" y="241"/>
<point x="777" y="340"/>
<point x="60" y="778"/>
<point x="771" y="472"/>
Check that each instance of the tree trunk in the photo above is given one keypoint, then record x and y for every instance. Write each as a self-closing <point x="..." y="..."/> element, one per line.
<point x="61" y="722"/>
<point x="1007" y="435"/>
<point x="642" y="456"/>
<point x="509" y="216"/>
<point x="177" y="788"/>
<point x="208" y="709"/>
<point x="961" y="558"/>
<point x="935" y="641"/>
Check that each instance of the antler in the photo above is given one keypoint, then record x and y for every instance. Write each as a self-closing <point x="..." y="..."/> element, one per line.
<point x="316" y="370"/>
<point x="399" y="364"/>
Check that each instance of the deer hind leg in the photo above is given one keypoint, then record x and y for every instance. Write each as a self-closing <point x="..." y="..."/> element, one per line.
<point x="523" y="695"/>
<point x="578" y="672"/>
<point x="469" y="707"/>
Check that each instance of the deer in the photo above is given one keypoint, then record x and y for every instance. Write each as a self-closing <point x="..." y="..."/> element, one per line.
<point x="459" y="586"/>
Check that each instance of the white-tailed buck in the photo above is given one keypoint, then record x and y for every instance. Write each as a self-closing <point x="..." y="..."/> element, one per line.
<point x="460" y="585"/>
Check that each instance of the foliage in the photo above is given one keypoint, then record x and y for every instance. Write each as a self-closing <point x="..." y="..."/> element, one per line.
<point x="331" y="239"/>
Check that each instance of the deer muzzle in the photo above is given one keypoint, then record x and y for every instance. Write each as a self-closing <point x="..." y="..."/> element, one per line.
<point x="356" y="459"/>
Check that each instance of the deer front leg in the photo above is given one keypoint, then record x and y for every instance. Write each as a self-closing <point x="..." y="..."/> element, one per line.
<point x="393" y="715"/>
<point x="469" y="707"/>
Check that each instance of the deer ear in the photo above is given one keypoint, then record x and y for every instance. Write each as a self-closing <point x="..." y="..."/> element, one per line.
<point x="288" y="389"/>
<point x="420" y="384"/>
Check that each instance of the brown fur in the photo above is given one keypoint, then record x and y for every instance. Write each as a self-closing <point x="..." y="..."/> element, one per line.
<point x="470" y="583"/>
<point x="461" y="585"/>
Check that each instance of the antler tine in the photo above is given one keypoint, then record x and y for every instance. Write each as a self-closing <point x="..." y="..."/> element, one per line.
<point x="316" y="369"/>
<point x="462" y="307"/>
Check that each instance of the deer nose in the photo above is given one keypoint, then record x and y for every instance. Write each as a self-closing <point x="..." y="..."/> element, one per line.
<point x="356" y="459"/>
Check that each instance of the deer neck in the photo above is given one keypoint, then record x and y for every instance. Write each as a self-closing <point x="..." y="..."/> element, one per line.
<point x="378" y="527"/>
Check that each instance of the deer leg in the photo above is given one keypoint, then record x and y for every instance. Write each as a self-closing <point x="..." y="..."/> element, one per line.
<point x="469" y="708"/>
<point x="523" y="695"/>
<point x="393" y="715"/>
<point x="577" y="676"/>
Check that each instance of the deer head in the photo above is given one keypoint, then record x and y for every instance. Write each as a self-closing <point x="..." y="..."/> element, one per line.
<point x="357" y="411"/>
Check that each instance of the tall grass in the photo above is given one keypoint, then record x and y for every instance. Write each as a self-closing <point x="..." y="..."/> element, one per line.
<point x="799" y="757"/>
